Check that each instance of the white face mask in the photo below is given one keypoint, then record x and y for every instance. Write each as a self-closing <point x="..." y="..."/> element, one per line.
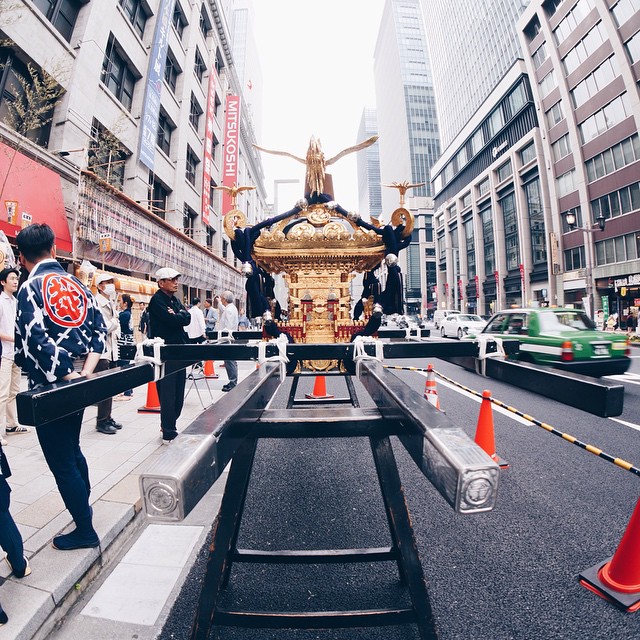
<point x="109" y="289"/>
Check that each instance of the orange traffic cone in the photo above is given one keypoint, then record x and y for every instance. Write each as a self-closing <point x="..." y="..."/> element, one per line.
<point x="430" y="389"/>
<point x="484" y="431"/>
<point x="152" y="404"/>
<point x="618" y="579"/>
<point x="319" y="390"/>
<point x="209" y="370"/>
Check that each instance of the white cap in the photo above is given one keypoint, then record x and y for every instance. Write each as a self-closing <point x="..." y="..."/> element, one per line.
<point x="167" y="273"/>
<point x="103" y="277"/>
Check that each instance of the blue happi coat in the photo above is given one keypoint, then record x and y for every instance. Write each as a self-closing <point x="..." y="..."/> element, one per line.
<point x="57" y="321"/>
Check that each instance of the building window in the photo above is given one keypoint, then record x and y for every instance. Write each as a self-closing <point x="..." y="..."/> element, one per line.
<point x="487" y="239"/>
<point x="561" y="147"/>
<point x="135" y="11"/>
<point x="594" y="82"/>
<point x="511" y="243"/>
<point x="205" y="22"/>
<point x="218" y="62"/>
<point x="28" y="97"/>
<point x="565" y="184"/>
<point x="551" y="6"/>
<point x="483" y="187"/>
<point x="470" y="249"/>
<point x="171" y="71"/>
<point x="107" y="156"/>
<point x="618" y="249"/>
<point x="179" y="21"/>
<point x="577" y="212"/>
<point x="495" y="122"/>
<point x="574" y="259"/>
<point x="188" y="220"/>
<point x="615" y="112"/>
<point x="199" y="65"/>
<point x="536" y="222"/>
<point x="158" y="197"/>
<point x="515" y="100"/>
<point x="584" y="48"/>
<point x="225" y="249"/>
<point x="633" y="48"/>
<point x="195" y="111"/>
<point x="62" y="14"/>
<point x="539" y="56"/>
<point x="452" y="212"/>
<point x="466" y="200"/>
<point x="477" y="142"/>
<point x="504" y="171"/>
<point x="117" y="74"/>
<point x="191" y="166"/>
<point x="547" y="84"/>
<point x="165" y="128"/>
<point x="617" y="203"/>
<point x="570" y="22"/>
<point x="528" y="153"/>
<point x="624" y="10"/>
<point x="615" y="158"/>
<point x="209" y="237"/>
<point x="555" y="114"/>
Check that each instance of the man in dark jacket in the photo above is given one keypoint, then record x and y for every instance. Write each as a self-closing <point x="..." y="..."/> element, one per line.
<point x="167" y="320"/>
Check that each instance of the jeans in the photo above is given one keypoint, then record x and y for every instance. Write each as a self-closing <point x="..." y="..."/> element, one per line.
<point x="171" y="396"/>
<point x="60" y="442"/>
<point x="10" y="538"/>
<point x="231" y="367"/>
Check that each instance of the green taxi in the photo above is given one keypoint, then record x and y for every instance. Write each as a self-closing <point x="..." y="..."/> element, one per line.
<point x="562" y="338"/>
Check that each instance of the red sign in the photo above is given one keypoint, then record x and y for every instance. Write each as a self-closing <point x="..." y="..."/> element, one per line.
<point x="208" y="149"/>
<point x="64" y="300"/>
<point x="477" y="287"/>
<point x="231" y="139"/>
<point x="460" y="288"/>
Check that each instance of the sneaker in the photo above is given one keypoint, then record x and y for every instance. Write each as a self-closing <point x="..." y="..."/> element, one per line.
<point x="228" y="387"/>
<point x="76" y="540"/>
<point x="168" y="438"/>
<point x="3" y="442"/>
<point x="19" y="429"/>
<point x="113" y="423"/>
<point x="19" y="574"/>
<point x="168" y="441"/>
<point x="105" y="427"/>
<point x="122" y="398"/>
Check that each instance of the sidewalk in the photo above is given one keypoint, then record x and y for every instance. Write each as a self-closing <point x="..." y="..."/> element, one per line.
<point x="115" y="462"/>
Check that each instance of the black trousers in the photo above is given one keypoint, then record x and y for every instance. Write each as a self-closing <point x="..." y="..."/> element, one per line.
<point x="171" y="397"/>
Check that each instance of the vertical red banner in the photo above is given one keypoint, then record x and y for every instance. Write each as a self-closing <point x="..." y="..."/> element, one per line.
<point x="208" y="148"/>
<point x="231" y="140"/>
<point x="477" y="287"/>
<point x="461" y="289"/>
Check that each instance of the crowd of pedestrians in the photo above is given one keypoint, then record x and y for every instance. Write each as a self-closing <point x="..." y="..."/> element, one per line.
<point x="53" y="328"/>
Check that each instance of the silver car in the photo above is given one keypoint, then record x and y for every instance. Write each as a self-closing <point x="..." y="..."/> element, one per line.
<point x="459" y="325"/>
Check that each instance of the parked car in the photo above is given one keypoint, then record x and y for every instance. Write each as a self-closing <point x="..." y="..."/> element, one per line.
<point x="563" y="338"/>
<point x="458" y="325"/>
<point x="441" y="314"/>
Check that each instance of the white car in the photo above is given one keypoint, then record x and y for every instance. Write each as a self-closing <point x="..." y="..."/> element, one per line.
<point x="459" y="325"/>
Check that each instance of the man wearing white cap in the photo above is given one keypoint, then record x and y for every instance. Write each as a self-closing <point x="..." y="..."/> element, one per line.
<point x="167" y="320"/>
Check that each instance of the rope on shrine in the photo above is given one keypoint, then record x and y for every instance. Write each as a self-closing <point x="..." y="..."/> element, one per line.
<point x="359" y="354"/>
<point x="155" y="360"/>
<point x="281" y="342"/>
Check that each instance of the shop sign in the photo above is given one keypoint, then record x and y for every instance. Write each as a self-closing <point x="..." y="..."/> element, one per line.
<point x="628" y="281"/>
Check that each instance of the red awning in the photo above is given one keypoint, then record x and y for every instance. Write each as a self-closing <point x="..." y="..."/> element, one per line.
<point x="31" y="192"/>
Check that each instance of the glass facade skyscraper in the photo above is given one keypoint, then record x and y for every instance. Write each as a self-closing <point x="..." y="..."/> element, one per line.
<point x="471" y="46"/>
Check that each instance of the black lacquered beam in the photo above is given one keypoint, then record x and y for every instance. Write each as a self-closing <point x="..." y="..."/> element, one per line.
<point x="60" y="399"/>
<point x="237" y="335"/>
<point x="456" y="466"/>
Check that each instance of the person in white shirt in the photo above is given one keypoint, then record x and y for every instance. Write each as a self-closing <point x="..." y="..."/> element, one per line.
<point x="229" y="322"/>
<point x="197" y="327"/>
<point x="9" y="371"/>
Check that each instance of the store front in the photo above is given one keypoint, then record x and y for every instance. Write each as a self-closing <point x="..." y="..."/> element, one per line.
<point x="621" y="295"/>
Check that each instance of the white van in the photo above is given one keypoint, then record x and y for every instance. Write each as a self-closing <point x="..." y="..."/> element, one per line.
<point x="441" y="314"/>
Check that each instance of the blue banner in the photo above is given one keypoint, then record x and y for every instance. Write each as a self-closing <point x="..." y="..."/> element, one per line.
<point x="153" y="87"/>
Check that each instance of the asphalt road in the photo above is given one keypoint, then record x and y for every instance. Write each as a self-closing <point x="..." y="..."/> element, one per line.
<point x="510" y="573"/>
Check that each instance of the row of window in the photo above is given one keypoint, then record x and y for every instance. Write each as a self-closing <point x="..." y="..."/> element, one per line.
<point x="606" y="118"/>
<point x="617" y="203"/>
<point x="615" y="158"/>
<point x="618" y="249"/>
<point x="594" y="82"/>
<point x="570" y="22"/>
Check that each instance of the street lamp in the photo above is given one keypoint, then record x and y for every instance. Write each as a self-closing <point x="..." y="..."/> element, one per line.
<point x="571" y="220"/>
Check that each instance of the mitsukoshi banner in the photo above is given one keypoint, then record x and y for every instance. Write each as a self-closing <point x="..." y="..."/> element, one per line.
<point x="208" y="148"/>
<point x="230" y="158"/>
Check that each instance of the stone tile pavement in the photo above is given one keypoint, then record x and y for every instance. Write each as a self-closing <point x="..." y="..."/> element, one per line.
<point x="34" y="603"/>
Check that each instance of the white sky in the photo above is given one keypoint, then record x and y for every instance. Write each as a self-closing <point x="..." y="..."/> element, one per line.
<point x="317" y="66"/>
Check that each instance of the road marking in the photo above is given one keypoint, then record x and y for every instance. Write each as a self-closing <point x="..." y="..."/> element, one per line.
<point x="631" y="378"/>
<point x="627" y="424"/>
<point x="503" y="411"/>
<point x="138" y="588"/>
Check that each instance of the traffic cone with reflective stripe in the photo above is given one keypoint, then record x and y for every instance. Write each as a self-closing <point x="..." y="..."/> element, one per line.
<point x="152" y="405"/>
<point x="430" y="388"/>
<point x="319" y="390"/>
<point x="209" y="370"/>
<point x="485" y="437"/>
<point x="618" y="578"/>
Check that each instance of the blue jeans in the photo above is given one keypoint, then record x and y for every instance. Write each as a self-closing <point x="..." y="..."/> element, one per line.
<point x="10" y="538"/>
<point x="60" y="442"/>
